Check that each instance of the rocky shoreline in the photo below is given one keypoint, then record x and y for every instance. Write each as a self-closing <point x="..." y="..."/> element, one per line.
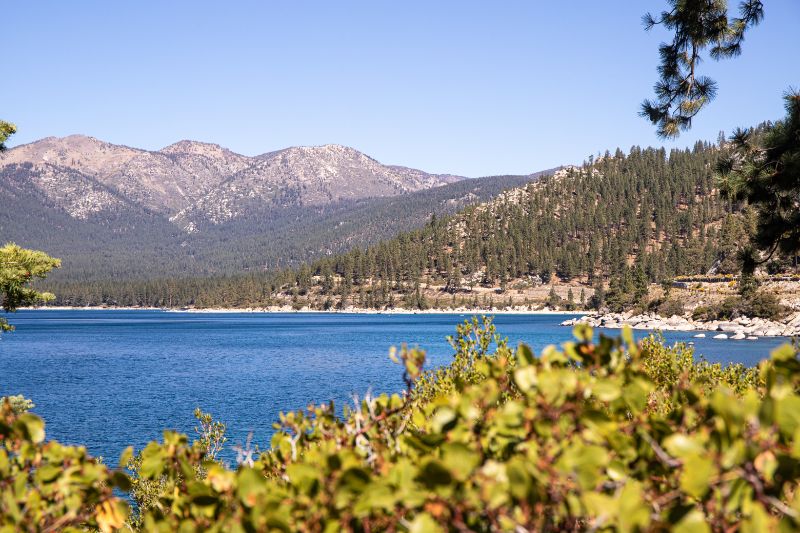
<point x="740" y="328"/>
<point x="517" y="310"/>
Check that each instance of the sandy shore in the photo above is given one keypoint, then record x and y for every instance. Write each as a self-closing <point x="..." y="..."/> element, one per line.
<point x="287" y="309"/>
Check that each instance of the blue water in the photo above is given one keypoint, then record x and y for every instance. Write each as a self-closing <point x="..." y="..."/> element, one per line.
<point x="108" y="379"/>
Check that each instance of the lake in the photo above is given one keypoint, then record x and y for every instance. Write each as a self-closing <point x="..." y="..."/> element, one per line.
<point x="112" y="378"/>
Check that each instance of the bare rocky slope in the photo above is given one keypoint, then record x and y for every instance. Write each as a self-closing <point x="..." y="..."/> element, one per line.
<point x="196" y="208"/>
<point x="197" y="183"/>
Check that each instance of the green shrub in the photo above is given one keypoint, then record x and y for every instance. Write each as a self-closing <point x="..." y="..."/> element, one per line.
<point x="609" y="435"/>
<point x="703" y="312"/>
<point x="764" y="304"/>
<point x="670" y="307"/>
<point x="46" y="486"/>
<point x="759" y="304"/>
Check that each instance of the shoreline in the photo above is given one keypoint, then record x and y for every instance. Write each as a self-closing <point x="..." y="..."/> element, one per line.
<point x="289" y="310"/>
<point x="741" y="328"/>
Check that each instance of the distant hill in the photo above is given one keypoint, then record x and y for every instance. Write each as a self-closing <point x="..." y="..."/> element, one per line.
<point x="201" y="183"/>
<point x="648" y="215"/>
<point x="195" y="208"/>
<point x="302" y="177"/>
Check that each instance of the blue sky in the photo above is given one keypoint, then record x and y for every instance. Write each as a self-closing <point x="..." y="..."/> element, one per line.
<point x="472" y="88"/>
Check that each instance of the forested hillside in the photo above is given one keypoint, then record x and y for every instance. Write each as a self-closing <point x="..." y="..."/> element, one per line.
<point x="114" y="212"/>
<point x="653" y="213"/>
<point x="646" y="208"/>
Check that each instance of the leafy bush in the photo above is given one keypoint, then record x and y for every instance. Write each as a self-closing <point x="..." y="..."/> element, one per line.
<point x="764" y="304"/>
<point x="51" y="487"/>
<point x="670" y="307"/>
<point x="18" y="403"/>
<point x="760" y="304"/>
<point x="703" y="312"/>
<point x="606" y="435"/>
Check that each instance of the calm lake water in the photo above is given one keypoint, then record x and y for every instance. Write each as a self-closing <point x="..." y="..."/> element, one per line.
<point x="108" y="379"/>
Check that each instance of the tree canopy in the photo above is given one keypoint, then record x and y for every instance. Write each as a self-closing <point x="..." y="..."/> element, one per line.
<point x="763" y="168"/>
<point x="697" y="25"/>
<point x="7" y="129"/>
<point x="18" y="268"/>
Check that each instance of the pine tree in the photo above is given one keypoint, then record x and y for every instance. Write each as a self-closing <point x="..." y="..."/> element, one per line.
<point x="7" y="129"/>
<point x="764" y="170"/>
<point x="19" y="267"/>
<point x="680" y="92"/>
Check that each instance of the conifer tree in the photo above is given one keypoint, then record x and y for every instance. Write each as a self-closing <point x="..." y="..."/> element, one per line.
<point x="7" y="129"/>
<point x="764" y="170"/>
<point x="18" y="269"/>
<point x="696" y="25"/>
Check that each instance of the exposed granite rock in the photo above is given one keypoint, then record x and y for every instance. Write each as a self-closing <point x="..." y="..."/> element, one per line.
<point x="739" y="329"/>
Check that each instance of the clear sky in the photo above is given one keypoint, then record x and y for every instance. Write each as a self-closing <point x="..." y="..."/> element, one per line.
<point x="473" y="88"/>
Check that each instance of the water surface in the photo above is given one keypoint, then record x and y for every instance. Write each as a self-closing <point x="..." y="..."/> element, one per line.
<point x="112" y="378"/>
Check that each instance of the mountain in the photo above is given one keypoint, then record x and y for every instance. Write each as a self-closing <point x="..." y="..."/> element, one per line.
<point x="163" y="182"/>
<point x="198" y="184"/>
<point x="648" y="215"/>
<point x="197" y="209"/>
<point x="303" y="176"/>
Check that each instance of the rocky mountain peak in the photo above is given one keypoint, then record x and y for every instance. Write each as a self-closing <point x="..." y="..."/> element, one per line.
<point x="198" y="148"/>
<point x="80" y="152"/>
<point x="195" y="183"/>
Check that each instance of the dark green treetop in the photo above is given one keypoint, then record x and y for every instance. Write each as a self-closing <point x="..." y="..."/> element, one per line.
<point x="763" y="168"/>
<point x="697" y="25"/>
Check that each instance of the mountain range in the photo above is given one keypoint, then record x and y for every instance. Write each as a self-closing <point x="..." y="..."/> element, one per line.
<point x="196" y="208"/>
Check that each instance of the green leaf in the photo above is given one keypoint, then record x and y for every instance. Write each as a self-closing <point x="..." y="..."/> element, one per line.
<point x="634" y="512"/>
<point x="121" y="481"/>
<point x="787" y="414"/>
<point x="32" y="427"/>
<point x="152" y="461"/>
<point x="355" y="480"/>
<point x="443" y="420"/>
<point x="583" y="332"/>
<point x="250" y="485"/>
<point x="697" y="475"/>
<point x="304" y="477"/>
<point x="680" y="445"/>
<point x="48" y="473"/>
<point x="424" y="523"/>
<point x="434" y="474"/>
<point x="525" y="355"/>
<point x="693" y="522"/>
<point x="784" y="352"/>
<point x="126" y="456"/>
<point x="459" y="459"/>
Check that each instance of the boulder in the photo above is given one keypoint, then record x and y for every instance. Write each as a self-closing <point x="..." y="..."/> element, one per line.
<point x="739" y="336"/>
<point x="720" y="336"/>
<point x="752" y="338"/>
<point x="700" y="336"/>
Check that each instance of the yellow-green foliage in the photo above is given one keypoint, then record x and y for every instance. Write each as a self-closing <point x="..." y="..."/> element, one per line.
<point x="18" y="268"/>
<point x="45" y="486"/>
<point x="608" y="435"/>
